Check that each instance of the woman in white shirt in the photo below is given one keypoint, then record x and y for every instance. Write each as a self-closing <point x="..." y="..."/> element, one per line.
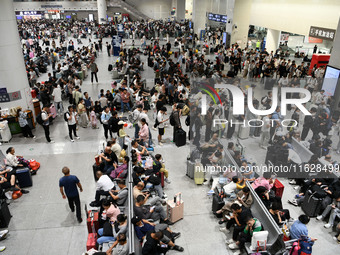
<point x="12" y="159"/>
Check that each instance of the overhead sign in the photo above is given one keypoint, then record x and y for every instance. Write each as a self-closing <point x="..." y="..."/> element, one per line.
<point x="217" y="17"/>
<point x="322" y="33"/>
<point x="28" y="13"/>
<point x="51" y="6"/>
<point x="314" y="40"/>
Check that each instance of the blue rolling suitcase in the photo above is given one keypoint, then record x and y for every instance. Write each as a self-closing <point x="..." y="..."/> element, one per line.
<point x="24" y="177"/>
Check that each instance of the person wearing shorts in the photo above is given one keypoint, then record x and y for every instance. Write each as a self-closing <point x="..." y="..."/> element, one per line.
<point x="161" y="118"/>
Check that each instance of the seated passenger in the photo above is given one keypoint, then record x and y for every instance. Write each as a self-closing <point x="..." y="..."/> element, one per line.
<point x="238" y="220"/>
<point x="332" y="209"/>
<point x="299" y="228"/>
<point x="278" y="214"/>
<point x="142" y="227"/>
<point x="111" y="229"/>
<point x="103" y="186"/>
<point x="121" y="171"/>
<point x="265" y="181"/>
<point x="15" y="161"/>
<point x="120" y="196"/>
<point x="253" y="226"/>
<point x="231" y="187"/>
<point x="244" y="198"/>
<point x="108" y="160"/>
<point x="154" y="212"/>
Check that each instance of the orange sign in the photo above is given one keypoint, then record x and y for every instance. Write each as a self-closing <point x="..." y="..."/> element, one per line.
<point x="314" y="40"/>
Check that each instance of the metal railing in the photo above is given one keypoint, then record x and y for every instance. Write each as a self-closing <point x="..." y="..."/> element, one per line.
<point x="131" y="229"/>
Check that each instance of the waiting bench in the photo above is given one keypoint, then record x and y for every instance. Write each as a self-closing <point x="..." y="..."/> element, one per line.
<point x="275" y="241"/>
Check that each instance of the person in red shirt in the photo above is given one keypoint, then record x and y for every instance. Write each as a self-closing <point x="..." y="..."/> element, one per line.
<point x="125" y="99"/>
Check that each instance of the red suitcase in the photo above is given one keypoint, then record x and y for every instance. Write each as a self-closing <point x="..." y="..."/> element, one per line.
<point x="278" y="188"/>
<point x="162" y="179"/>
<point x="92" y="221"/>
<point x="91" y="241"/>
<point x="161" y="174"/>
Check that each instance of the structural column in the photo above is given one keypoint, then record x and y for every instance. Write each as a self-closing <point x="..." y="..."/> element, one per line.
<point x="101" y="5"/>
<point x="240" y="22"/>
<point x="199" y="14"/>
<point x="272" y="40"/>
<point x="334" y="61"/>
<point x="13" y="75"/>
<point x="180" y="9"/>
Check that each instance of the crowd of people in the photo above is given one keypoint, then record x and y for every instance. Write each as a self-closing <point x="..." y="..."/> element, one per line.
<point x="180" y="69"/>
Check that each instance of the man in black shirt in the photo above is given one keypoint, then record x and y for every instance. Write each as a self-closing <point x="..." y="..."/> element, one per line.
<point x="308" y="123"/>
<point x="152" y="245"/>
<point x="108" y="160"/>
<point x="155" y="244"/>
<point x="239" y="219"/>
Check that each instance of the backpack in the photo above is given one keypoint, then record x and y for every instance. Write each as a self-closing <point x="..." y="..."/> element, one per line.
<point x="172" y="119"/>
<point x="187" y="120"/>
<point x="301" y="247"/>
<point x="305" y="247"/>
<point x="39" y="119"/>
<point x="318" y="192"/>
<point x="156" y="123"/>
<point x="65" y="117"/>
<point x="110" y="68"/>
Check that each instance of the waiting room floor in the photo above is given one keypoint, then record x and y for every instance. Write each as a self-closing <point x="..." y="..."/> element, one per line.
<point x="43" y="224"/>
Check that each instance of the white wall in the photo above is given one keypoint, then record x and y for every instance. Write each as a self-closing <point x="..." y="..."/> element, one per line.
<point x="295" y="16"/>
<point x="154" y="9"/>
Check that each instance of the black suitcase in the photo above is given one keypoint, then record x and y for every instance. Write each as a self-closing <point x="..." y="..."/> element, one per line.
<point x="311" y="205"/>
<point x="180" y="137"/>
<point x="217" y="203"/>
<point x="24" y="177"/>
<point x="5" y="215"/>
<point x="95" y="169"/>
<point x="150" y="62"/>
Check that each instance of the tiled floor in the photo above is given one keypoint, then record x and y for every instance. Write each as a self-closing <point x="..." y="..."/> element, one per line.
<point x="42" y="223"/>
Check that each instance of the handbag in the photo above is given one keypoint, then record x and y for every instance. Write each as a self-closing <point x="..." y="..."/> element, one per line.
<point x="34" y="165"/>
<point x="16" y="194"/>
<point x="107" y="229"/>
<point x="259" y="241"/>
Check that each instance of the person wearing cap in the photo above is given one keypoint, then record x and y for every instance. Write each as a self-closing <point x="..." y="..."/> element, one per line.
<point x="161" y="119"/>
<point x="143" y="227"/>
